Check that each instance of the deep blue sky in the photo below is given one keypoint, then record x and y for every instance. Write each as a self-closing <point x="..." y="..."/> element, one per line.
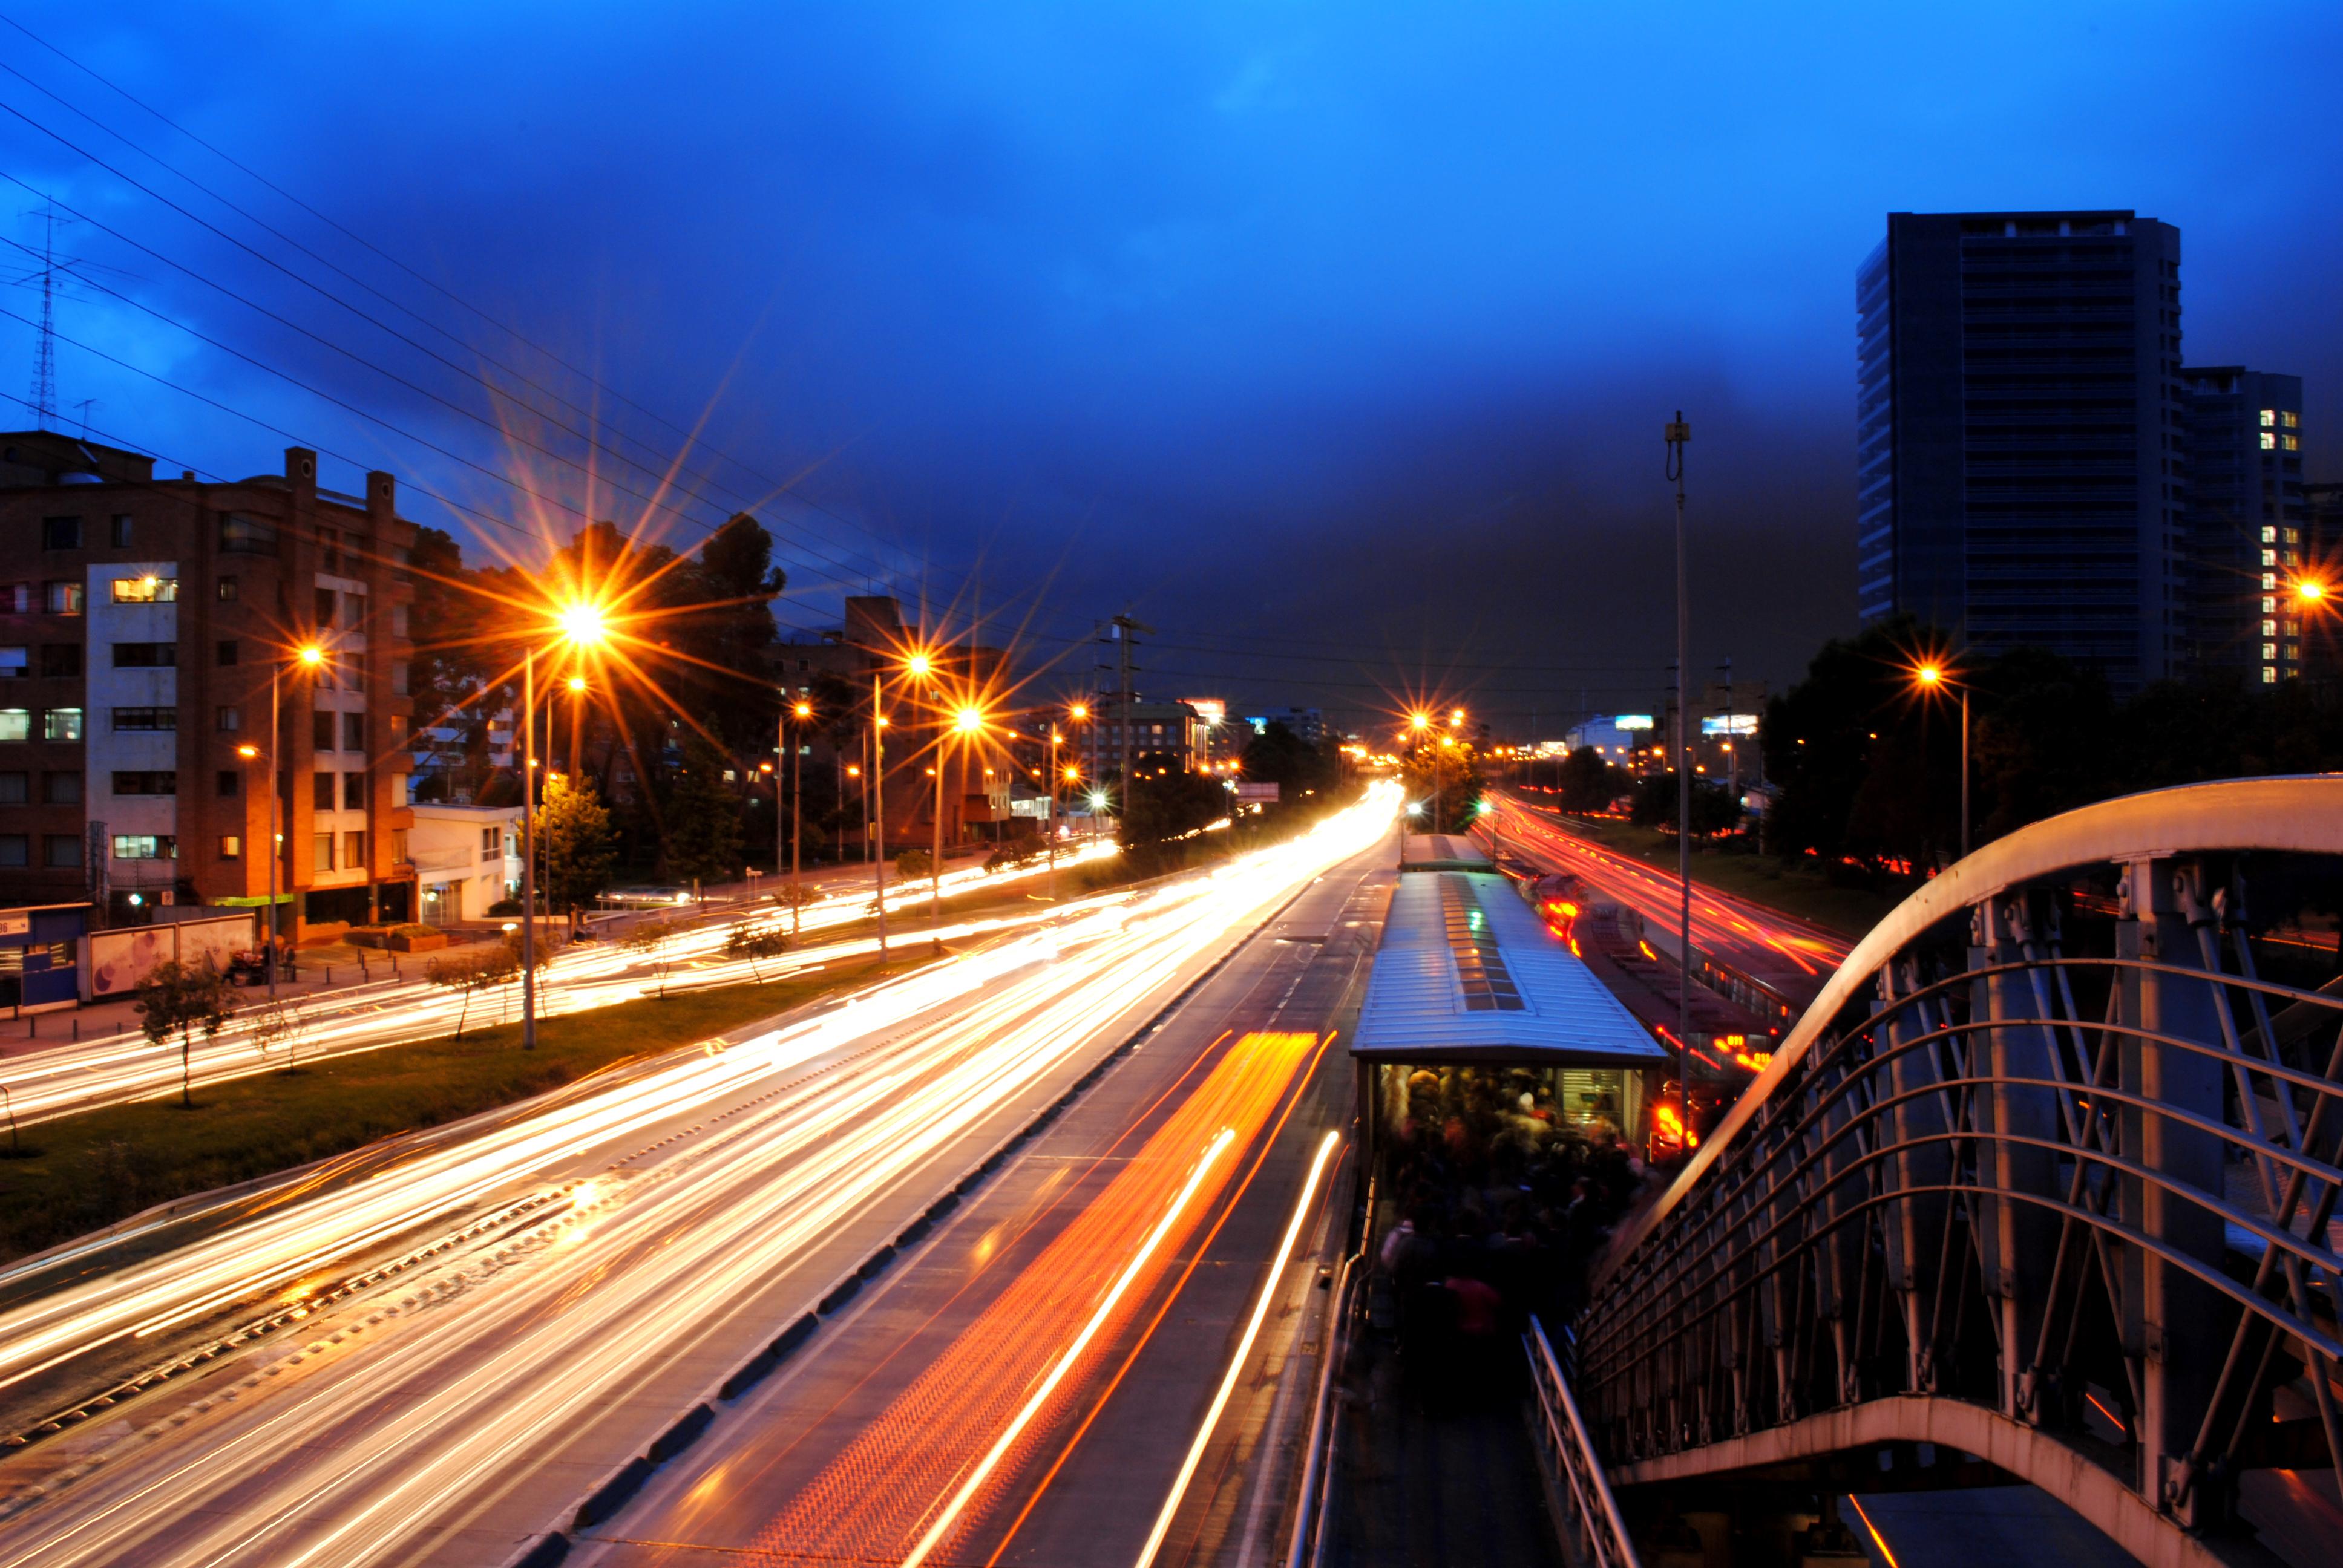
<point x="1345" y="325"/>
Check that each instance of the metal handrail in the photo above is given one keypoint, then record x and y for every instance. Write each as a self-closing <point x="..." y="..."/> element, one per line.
<point x="1594" y="1510"/>
<point x="1959" y="1182"/>
<point x="1317" y="1453"/>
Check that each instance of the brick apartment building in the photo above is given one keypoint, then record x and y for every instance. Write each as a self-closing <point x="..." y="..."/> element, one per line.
<point x="140" y="621"/>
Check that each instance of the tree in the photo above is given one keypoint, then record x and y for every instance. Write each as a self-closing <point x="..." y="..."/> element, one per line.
<point x="703" y="826"/>
<point x="279" y="1024"/>
<point x="1170" y="806"/>
<point x="756" y="942"/>
<point x="1589" y="784"/>
<point x="574" y="845"/>
<point x="466" y="973"/>
<point x="910" y="865"/>
<point x="649" y="938"/>
<point x="1714" y="809"/>
<point x="1449" y="775"/>
<point x="180" y="998"/>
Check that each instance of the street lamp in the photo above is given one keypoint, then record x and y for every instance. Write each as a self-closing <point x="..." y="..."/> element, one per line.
<point x="1933" y="677"/>
<point x="309" y="656"/>
<point x="581" y="625"/>
<point x="1678" y="435"/>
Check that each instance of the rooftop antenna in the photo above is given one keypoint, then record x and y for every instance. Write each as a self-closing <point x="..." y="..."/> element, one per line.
<point x="84" y="406"/>
<point x="45" y="349"/>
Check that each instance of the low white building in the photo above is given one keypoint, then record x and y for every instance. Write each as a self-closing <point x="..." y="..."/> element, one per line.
<point x="466" y="857"/>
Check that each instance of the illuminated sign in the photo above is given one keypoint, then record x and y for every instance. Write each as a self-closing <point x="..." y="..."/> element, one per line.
<point x="1633" y="721"/>
<point x="1736" y="724"/>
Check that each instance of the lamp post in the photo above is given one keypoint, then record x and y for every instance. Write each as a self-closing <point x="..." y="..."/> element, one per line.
<point x="1050" y="833"/>
<point x="1933" y="677"/>
<point x="581" y="626"/>
<point x="1678" y="435"/>
<point x="801" y="712"/>
<point x="878" y="787"/>
<point x="310" y="656"/>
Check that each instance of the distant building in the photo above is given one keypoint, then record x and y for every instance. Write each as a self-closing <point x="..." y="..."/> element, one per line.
<point x="2245" y="521"/>
<point x="1165" y="738"/>
<point x="136" y="645"/>
<point x="2020" y="417"/>
<point x="467" y="859"/>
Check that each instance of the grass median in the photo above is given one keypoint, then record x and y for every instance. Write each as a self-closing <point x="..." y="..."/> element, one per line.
<point x="80" y="1173"/>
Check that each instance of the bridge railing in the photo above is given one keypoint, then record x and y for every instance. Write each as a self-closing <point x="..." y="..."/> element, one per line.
<point x="1592" y="1530"/>
<point x="2049" y="1148"/>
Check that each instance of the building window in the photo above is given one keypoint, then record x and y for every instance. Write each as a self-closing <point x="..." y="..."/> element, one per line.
<point x="14" y="662"/>
<point x="15" y="599"/>
<point x="227" y="784"/>
<point x="243" y="535"/>
<point x="353" y="851"/>
<point x="321" y="852"/>
<point x="14" y="787"/>
<point x="330" y="549"/>
<point x="162" y="783"/>
<point x="122" y="531"/>
<point x="224" y="652"/>
<point x="2290" y="443"/>
<point x="353" y="673"/>
<point x="2269" y="557"/>
<point x="401" y="791"/>
<point x="354" y="732"/>
<point x="398" y="620"/>
<point x="2269" y="418"/>
<point x="324" y="608"/>
<point x="2269" y="442"/>
<point x="399" y="678"/>
<point x="61" y="660"/>
<point x="2270" y="628"/>
<point x="64" y="599"/>
<point x="16" y="849"/>
<point x="354" y="791"/>
<point x="321" y="732"/>
<point x="146" y="655"/>
<point x="227" y="590"/>
<point x="145" y="718"/>
<point x="399" y="846"/>
<point x="61" y="724"/>
<point x="228" y="719"/>
<point x="231" y="847"/>
<point x="491" y="841"/>
<point x="15" y="724"/>
<point x="61" y="788"/>
<point x="321" y="791"/>
<point x="2269" y="581"/>
<point x="147" y="589"/>
<point x="353" y="612"/>
<point x="2290" y="420"/>
<point x="2269" y="651"/>
<point x="60" y="851"/>
<point x="2270" y="535"/>
<point x="61" y="533"/>
<point x="146" y="847"/>
<point x="2269" y="676"/>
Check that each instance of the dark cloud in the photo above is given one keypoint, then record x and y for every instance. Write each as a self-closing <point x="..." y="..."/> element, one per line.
<point x="1349" y="326"/>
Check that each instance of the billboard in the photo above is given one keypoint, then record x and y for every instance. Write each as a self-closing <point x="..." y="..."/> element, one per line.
<point x="1633" y="721"/>
<point x="1732" y="724"/>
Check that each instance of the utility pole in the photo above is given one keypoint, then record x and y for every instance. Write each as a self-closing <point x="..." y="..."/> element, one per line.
<point x="1679" y="436"/>
<point x="878" y="803"/>
<point x="1732" y="744"/>
<point x="797" y="823"/>
<point x="529" y="849"/>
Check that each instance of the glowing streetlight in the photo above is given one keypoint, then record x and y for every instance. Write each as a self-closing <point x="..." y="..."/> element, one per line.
<point x="577" y="684"/>
<point x="804" y="710"/>
<point x="968" y="721"/>
<point x="1079" y="711"/>
<point x="582" y="623"/>
<point x="919" y="665"/>
<point x="2309" y="591"/>
<point x="311" y="654"/>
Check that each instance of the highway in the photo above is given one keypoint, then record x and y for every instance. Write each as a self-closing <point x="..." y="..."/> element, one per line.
<point x="66" y="1079"/>
<point x="1064" y="1373"/>
<point x="1790" y="956"/>
<point x="495" y="1324"/>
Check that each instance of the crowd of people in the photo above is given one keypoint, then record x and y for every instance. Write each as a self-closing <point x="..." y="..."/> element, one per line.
<point x="1502" y="1203"/>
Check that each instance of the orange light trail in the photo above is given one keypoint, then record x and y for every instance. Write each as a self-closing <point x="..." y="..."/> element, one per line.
<point x="923" y="1475"/>
<point x="1877" y="1539"/>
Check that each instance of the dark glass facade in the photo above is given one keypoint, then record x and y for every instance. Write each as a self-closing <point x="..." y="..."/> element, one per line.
<point x="2021" y="440"/>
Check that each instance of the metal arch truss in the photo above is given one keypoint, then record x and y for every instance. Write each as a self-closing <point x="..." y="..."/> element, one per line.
<point x="2092" y="1192"/>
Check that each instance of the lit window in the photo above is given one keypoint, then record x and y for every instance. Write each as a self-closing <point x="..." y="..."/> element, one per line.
<point x="322" y="852"/>
<point x="2269" y="557"/>
<point x="2270" y="581"/>
<point x="2269" y="676"/>
<point x="146" y="847"/>
<point x="2269" y="606"/>
<point x="147" y="589"/>
<point x="2269" y="442"/>
<point x="2291" y="443"/>
<point x="2269" y="418"/>
<point x="2269" y="651"/>
<point x="231" y="847"/>
<point x="2270" y="628"/>
<point x="2269" y="535"/>
<point x="2290" y="420"/>
<point x="61" y="724"/>
<point x="15" y="724"/>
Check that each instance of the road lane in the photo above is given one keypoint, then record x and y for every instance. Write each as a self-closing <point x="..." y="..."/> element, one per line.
<point x="859" y="1451"/>
<point x="472" y="1398"/>
<point x="1793" y="957"/>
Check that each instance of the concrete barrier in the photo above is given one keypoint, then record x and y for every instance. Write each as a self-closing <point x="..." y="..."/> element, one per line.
<point x="547" y="1552"/>
<point x="681" y="1435"/>
<point x="614" y="1493"/>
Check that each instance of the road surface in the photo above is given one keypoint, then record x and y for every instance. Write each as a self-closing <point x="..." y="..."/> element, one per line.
<point x="495" y="1324"/>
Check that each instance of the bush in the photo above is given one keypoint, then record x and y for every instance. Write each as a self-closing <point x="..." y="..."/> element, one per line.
<point x="912" y="864"/>
<point x="504" y="907"/>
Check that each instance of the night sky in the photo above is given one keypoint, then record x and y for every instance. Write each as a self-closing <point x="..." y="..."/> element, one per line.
<point x="1332" y="340"/>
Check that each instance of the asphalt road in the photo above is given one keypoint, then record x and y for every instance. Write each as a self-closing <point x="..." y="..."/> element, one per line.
<point x="492" y="1365"/>
<point x="1793" y="957"/>
<point x="70" y="1077"/>
<point x="865" y="1449"/>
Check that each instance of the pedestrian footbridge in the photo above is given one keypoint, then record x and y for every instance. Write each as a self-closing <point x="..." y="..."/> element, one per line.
<point x="2043" y="1183"/>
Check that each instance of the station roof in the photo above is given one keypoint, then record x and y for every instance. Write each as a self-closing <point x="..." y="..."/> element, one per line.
<point x="1468" y="972"/>
<point x="1442" y="851"/>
